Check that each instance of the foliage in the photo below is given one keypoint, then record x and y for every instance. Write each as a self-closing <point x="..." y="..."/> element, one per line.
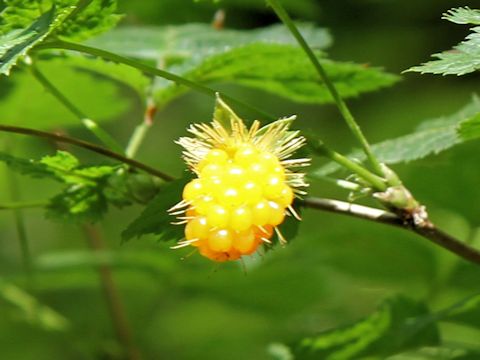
<point x="430" y="138"/>
<point x="465" y="57"/>
<point x="88" y="190"/>
<point x="25" y="24"/>
<point x="265" y="58"/>
<point x="304" y="295"/>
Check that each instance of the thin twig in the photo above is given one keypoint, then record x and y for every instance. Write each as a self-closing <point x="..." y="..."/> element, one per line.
<point x="91" y="125"/>
<point x="428" y="231"/>
<point x="342" y="106"/>
<point x="88" y="146"/>
<point x="112" y="296"/>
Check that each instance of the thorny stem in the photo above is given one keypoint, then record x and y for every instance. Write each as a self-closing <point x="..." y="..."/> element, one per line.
<point x="58" y="44"/>
<point x="112" y="296"/>
<point x="88" y="146"/>
<point x="91" y="125"/>
<point x="342" y="106"/>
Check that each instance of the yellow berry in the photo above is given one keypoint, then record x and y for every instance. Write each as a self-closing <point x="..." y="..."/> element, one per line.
<point x="245" y="242"/>
<point x="265" y="232"/>
<point x="205" y="250"/>
<point x="277" y="213"/>
<point x="197" y="228"/>
<point x="217" y="216"/>
<point x="285" y="197"/>
<point x="261" y="213"/>
<point x="257" y="170"/>
<point x="245" y="155"/>
<point x="235" y="174"/>
<point x="252" y="192"/>
<point x="241" y="218"/>
<point x="268" y="160"/>
<point x="233" y="254"/>
<point x="203" y="203"/>
<point x="220" y="240"/>
<point x="279" y="171"/>
<point x="229" y="197"/>
<point x="273" y="185"/>
<point x="216" y="156"/>
<point x="212" y="170"/>
<point x="193" y="189"/>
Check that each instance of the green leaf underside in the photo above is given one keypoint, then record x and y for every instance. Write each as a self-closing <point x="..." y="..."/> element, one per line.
<point x="463" y="58"/>
<point x="155" y="219"/>
<point x="87" y="191"/>
<point x="398" y="325"/>
<point x="29" y="104"/>
<point x="431" y="137"/>
<point x="97" y="17"/>
<point x="197" y="41"/>
<point x="267" y="59"/>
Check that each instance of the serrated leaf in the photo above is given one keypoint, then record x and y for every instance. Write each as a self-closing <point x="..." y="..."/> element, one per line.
<point x="470" y="128"/>
<point x="463" y="58"/>
<point x="17" y="43"/>
<point x="95" y="18"/>
<point x="88" y="190"/>
<point x="155" y="219"/>
<point x="279" y="69"/>
<point x="431" y="137"/>
<point x="28" y="104"/>
<point x="396" y="326"/>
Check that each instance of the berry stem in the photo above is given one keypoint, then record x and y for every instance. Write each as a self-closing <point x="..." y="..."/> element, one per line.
<point x="342" y="106"/>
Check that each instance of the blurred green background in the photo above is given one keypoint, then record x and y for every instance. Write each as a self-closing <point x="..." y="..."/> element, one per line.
<point x="336" y="271"/>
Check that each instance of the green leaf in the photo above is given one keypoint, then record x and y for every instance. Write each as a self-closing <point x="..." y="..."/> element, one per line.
<point x="28" y="104"/>
<point x="396" y="326"/>
<point x="155" y="219"/>
<point x="431" y="137"/>
<point x="283" y="70"/>
<point x="465" y="57"/>
<point x="266" y="59"/>
<point x="470" y="128"/>
<point x="88" y="190"/>
<point x="194" y="42"/>
<point x="17" y="43"/>
<point x="95" y="18"/>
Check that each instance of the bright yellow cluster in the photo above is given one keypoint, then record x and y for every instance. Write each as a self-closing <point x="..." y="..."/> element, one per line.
<point x="245" y="184"/>
<point x="237" y="199"/>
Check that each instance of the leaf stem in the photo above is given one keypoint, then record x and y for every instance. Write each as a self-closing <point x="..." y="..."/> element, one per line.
<point x="431" y="232"/>
<point x="377" y="182"/>
<point x="88" y="146"/>
<point x="23" y="205"/>
<point x="58" y="44"/>
<point x="342" y="106"/>
<point x="91" y="125"/>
